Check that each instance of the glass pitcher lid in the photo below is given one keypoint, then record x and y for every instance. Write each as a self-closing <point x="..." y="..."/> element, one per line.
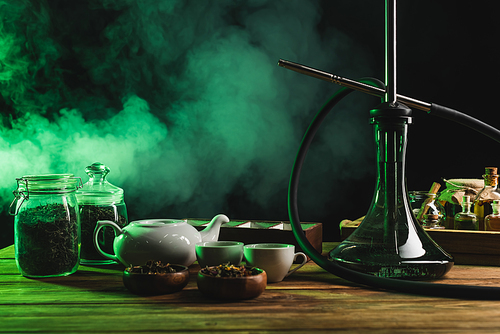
<point x="97" y="190"/>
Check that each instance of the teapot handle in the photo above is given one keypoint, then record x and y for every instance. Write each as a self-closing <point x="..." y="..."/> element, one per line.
<point x="99" y="226"/>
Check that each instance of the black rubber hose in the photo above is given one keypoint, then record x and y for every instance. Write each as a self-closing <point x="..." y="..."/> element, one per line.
<point x="464" y="119"/>
<point x="406" y="286"/>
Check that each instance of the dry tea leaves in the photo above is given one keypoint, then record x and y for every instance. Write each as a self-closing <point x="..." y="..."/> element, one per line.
<point x="152" y="267"/>
<point x="89" y="215"/>
<point x="229" y="270"/>
<point x="47" y="239"/>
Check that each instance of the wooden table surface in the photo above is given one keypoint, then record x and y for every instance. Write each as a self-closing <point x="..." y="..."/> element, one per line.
<point x="94" y="300"/>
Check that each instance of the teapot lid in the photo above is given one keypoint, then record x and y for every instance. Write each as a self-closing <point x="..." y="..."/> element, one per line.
<point x="97" y="190"/>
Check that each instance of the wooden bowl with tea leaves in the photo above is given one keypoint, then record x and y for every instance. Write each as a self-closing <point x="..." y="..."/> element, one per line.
<point x="231" y="282"/>
<point x="156" y="278"/>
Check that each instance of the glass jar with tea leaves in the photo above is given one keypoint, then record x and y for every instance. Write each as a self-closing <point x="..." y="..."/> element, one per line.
<point x="99" y="200"/>
<point x="46" y="225"/>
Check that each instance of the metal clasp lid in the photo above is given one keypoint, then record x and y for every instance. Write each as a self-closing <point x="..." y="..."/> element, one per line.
<point x="22" y="193"/>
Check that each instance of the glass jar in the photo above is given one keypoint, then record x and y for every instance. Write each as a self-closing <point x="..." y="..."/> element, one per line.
<point x="453" y="194"/>
<point x="99" y="200"/>
<point x="46" y="225"/>
<point x="427" y="209"/>
<point x="417" y="198"/>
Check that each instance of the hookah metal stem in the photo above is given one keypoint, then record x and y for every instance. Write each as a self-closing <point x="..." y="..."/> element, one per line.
<point x="389" y="166"/>
<point x="352" y="84"/>
<point x="390" y="52"/>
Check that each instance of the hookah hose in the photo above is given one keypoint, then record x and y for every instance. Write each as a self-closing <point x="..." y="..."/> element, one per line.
<point x="405" y="286"/>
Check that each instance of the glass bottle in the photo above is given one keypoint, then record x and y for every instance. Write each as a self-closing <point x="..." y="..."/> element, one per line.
<point x="466" y="220"/>
<point x="492" y="221"/>
<point x="490" y="192"/>
<point x="99" y="200"/>
<point x="46" y="225"/>
<point x="453" y="194"/>
<point x="390" y="242"/>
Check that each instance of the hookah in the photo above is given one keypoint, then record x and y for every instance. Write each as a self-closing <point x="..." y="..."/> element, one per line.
<point x="389" y="249"/>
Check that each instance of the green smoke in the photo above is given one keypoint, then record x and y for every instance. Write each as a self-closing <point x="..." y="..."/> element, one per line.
<point x="181" y="99"/>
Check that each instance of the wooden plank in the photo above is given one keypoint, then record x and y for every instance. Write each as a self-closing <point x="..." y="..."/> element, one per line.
<point x="94" y="300"/>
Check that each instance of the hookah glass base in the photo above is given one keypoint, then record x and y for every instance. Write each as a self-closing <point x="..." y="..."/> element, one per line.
<point x="377" y="260"/>
<point x="390" y="242"/>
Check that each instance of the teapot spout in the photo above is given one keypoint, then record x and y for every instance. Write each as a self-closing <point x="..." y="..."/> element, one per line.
<point x="211" y="232"/>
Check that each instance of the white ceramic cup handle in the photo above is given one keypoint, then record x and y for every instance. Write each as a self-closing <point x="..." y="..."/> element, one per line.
<point x="304" y="261"/>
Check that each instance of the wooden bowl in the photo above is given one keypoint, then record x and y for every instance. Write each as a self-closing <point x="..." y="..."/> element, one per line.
<point x="156" y="284"/>
<point x="234" y="288"/>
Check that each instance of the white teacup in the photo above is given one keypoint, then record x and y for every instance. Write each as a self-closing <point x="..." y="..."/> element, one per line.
<point x="214" y="253"/>
<point x="275" y="259"/>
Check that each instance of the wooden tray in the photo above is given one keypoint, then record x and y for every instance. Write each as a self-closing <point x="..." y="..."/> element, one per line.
<point x="467" y="247"/>
<point x="258" y="231"/>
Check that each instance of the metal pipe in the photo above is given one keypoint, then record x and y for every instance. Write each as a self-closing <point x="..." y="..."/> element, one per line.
<point x="353" y="84"/>
<point x="390" y="52"/>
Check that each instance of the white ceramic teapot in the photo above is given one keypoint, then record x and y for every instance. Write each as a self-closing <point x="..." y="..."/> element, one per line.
<point x="165" y="240"/>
